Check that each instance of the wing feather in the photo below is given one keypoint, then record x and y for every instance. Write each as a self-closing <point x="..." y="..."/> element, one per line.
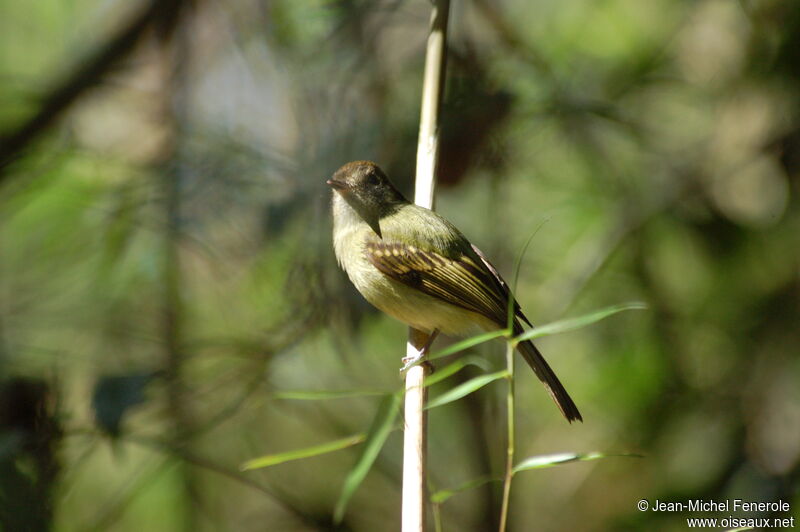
<point x="468" y="280"/>
<point x="460" y="280"/>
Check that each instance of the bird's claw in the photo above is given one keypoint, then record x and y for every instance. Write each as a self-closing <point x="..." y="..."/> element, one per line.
<point x="419" y="358"/>
<point x="410" y="362"/>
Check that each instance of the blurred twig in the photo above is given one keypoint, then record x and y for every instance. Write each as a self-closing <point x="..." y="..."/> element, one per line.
<point x="177" y="57"/>
<point x="112" y="510"/>
<point x="159" y="15"/>
<point x="513" y="39"/>
<point x="233" y="474"/>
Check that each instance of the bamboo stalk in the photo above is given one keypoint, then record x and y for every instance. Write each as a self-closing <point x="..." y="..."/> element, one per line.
<point x="432" y="91"/>
<point x="415" y="440"/>
<point x="415" y="437"/>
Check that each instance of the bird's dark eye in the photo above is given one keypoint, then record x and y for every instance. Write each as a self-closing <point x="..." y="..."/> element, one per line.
<point x="372" y="179"/>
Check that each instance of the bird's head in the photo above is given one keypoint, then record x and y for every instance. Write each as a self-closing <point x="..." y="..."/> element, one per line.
<point x="364" y="186"/>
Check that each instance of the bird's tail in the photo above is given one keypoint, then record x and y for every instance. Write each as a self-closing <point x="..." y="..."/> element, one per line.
<point x="554" y="387"/>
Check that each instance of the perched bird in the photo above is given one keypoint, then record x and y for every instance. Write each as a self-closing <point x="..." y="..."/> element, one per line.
<point x="417" y="267"/>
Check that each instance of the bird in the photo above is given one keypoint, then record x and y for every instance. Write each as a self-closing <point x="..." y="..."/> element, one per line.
<point x="417" y="267"/>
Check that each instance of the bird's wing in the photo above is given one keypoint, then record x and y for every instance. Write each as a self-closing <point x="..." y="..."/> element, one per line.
<point x="459" y="279"/>
<point x="501" y="284"/>
<point x="461" y="275"/>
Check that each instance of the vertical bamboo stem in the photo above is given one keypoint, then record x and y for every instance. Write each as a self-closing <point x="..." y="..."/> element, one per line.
<point x="432" y="91"/>
<point x="415" y="438"/>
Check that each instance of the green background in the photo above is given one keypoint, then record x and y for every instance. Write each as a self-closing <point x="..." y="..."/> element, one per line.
<point x="166" y="268"/>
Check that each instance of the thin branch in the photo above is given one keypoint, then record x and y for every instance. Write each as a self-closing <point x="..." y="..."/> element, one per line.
<point x="415" y="438"/>
<point x="509" y="473"/>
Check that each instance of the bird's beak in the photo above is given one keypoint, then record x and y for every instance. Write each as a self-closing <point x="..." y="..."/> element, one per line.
<point x="336" y="185"/>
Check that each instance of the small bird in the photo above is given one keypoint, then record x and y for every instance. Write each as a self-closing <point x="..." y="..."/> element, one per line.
<point x="415" y="266"/>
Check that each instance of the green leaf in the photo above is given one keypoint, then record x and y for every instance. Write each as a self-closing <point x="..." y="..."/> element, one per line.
<point x="442" y="495"/>
<point x="324" y="395"/>
<point x="453" y="368"/>
<point x="376" y="437"/>
<point x="551" y="460"/>
<point x="466" y="388"/>
<point x="323" y="448"/>
<point x="576" y="323"/>
<point x="469" y="342"/>
<point x="534" y="462"/>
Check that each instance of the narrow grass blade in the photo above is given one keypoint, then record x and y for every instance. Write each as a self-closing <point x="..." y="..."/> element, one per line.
<point x="469" y="342"/>
<point x="551" y="460"/>
<point x="517" y="267"/>
<point x="324" y="395"/>
<point x="296" y="454"/>
<point x="451" y="369"/>
<point x="576" y="323"/>
<point x="465" y="389"/>
<point x="376" y="436"/>
<point x="442" y="495"/>
<point x="534" y="462"/>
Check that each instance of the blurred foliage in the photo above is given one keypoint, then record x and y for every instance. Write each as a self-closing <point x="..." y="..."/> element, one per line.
<point x="114" y="396"/>
<point x="169" y="217"/>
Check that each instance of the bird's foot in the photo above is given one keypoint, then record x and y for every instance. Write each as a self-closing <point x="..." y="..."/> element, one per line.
<point x="410" y="362"/>
<point x="419" y="358"/>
